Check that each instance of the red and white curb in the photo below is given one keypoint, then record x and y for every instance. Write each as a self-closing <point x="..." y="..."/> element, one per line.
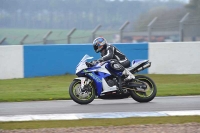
<point x="77" y="116"/>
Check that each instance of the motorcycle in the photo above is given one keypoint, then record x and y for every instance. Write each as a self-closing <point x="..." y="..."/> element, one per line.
<point x="99" y="80"/>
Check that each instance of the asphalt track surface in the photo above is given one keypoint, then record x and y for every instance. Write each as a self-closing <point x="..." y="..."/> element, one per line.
<point x="177" y="103"/>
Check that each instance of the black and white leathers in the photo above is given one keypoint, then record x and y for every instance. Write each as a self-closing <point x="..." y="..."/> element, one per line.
<point x="112" y="53"/>
<point x="117" y="59"/>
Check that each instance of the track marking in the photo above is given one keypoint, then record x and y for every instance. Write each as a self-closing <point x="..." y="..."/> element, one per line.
<point x="77" y="116"/>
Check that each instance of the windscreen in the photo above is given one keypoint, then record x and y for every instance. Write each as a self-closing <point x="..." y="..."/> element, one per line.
<point x="86" y="57"/>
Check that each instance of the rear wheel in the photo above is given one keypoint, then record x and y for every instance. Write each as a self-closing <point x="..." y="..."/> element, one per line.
<point x="148" y="94"/>
<point x="81" y="95"/>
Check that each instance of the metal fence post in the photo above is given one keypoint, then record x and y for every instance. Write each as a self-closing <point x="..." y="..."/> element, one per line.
<point x="2" y="40"/>
<point x="23" y="39"/>
<point x="69" y="35"/>
<point x="181" y="27"/>
<point x="150" y="28"/>
<point x="94" y="32"/>
<point x="46" y="36"/>
<point x="121" y="30"/>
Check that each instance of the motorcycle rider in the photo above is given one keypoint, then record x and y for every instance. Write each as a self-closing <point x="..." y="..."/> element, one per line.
<point x="117" y="59"/>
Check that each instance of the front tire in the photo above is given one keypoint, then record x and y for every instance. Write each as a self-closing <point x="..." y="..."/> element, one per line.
<point x="79" y="95"/>
<point x="149" y="93"/>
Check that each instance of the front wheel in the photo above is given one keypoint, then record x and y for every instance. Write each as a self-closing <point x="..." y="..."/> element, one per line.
<point x="148" y="94"/>
<point x="81" y="95"/>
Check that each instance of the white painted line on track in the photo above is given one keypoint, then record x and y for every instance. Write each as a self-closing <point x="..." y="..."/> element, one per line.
<point x="96" y="115"/>
<point x="39" y="117"/>
<point x="181" y="113"/>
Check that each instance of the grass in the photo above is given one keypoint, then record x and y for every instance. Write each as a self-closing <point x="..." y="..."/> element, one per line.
<point x="58" y="36"/>
<point x="35" y="36"/>
<point x="177" y="85"/>
<point x="39" y="88"/>
<point x="99" y="122"/>
<point x="56" y="87"/>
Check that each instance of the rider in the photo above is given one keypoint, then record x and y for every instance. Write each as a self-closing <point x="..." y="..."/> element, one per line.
<point x="117" y="59"/>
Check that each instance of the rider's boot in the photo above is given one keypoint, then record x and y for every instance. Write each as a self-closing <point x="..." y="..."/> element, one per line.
<point x="128" y="74"/>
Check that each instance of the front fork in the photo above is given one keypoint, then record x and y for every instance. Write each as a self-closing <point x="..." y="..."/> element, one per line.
<point x="84" y="81"/>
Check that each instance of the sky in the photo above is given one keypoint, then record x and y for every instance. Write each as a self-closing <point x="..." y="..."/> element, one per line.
<point x="185" y="1"/>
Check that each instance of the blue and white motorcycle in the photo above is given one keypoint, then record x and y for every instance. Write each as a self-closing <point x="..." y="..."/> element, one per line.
<point x="98" y="80"/>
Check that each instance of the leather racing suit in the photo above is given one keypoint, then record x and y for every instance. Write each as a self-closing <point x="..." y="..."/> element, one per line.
<point x="117" y="59"/>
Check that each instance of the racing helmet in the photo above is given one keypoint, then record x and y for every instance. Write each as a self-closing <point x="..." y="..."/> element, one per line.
<point x="99" y="44"/>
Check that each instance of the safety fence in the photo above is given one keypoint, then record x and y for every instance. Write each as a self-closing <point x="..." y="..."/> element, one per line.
<point x="185" y="28"/>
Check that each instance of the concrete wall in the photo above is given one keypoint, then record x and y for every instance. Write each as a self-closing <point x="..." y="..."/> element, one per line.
<point x="11" y="62"/>
<point x="174" y="58"/>
<point x="47" y="60"/>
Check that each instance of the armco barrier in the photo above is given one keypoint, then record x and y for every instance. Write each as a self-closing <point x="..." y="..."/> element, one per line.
<point x="59" y="59"/>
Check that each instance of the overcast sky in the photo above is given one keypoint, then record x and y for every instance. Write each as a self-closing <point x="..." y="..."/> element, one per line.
<point x="185" y="1"/>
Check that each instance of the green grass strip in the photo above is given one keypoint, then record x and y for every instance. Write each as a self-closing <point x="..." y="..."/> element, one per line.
<point x="56" y="87"/>
<point x="99" y="122"/>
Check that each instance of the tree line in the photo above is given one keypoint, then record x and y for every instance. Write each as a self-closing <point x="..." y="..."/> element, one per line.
<point x="82" y="14"/>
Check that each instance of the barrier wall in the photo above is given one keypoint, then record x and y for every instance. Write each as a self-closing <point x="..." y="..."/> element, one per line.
<point x="11" y="62"/>
<point x="174" y="58"/>
<point x="48" y="60"/>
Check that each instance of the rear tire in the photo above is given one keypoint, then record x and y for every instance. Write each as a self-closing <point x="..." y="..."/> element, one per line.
<point x="143" y="97"/>
<point x="79" y="96"/>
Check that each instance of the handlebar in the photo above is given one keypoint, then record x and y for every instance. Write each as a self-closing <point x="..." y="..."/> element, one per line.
<point x="93" y="63"/>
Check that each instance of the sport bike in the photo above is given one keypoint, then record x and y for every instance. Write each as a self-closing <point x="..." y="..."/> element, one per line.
<point x="99" y="80"/>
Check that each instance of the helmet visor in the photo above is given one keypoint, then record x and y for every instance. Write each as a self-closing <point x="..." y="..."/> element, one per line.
<point x="95" y="48"/>
<point x="99" y="48"/>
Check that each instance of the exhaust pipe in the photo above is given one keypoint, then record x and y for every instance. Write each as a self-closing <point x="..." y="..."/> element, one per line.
<point x="144" y="67"/>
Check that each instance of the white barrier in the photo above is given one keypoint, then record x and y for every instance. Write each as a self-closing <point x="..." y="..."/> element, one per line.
<point x="11" y="62"/>
<point x="174" y="58"/>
